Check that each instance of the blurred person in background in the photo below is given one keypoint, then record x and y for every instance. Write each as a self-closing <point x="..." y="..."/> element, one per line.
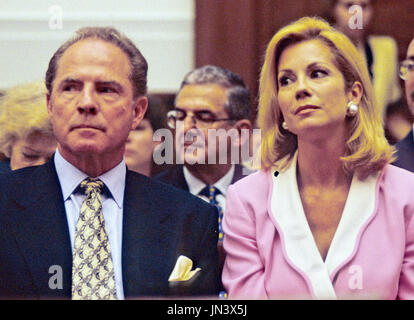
<point x="405" y="148"/>
<point x="26" y="136"/>
<point x="210" y="98"/>
<point x="381" y="55"/>
<point x="140" y="145"/>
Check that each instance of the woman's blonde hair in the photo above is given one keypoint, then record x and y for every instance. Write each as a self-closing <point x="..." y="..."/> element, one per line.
<point x="23" y="112"/>
<point x="367" y="149"/>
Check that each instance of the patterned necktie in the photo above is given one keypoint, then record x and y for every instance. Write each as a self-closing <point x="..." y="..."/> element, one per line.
<point x="92" y="271"/>
<point x="211" y="192"/>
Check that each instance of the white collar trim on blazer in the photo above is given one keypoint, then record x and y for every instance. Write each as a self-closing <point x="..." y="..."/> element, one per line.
<point x="296" y="236"/>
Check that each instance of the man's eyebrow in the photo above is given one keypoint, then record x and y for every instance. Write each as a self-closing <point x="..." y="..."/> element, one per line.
<point x="410" y="57"/>
<point x="195" y="111"/>
<point x="110" y="83"/>
<point x="70" y="80"/>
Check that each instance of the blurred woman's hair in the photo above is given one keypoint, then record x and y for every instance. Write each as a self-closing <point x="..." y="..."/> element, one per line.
<point x="23" y="112"/>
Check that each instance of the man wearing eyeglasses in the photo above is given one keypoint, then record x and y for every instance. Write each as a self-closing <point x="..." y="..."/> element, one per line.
<point x="212" y="109"/>
<point x="405" y="148"/>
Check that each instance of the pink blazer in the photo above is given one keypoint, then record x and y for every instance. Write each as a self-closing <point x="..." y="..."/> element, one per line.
<point x="271" y="253"/>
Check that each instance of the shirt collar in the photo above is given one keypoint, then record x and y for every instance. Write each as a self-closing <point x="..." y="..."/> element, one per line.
<point x="70" y="177"/>
<point x="195" y="185"/>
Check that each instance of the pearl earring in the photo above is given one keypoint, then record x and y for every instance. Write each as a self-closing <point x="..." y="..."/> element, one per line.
<point x="352" y="109"/>
<point x="284" y="125"/>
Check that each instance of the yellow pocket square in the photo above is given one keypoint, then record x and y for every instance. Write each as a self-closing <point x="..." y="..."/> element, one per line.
<point x="182" y="270"/>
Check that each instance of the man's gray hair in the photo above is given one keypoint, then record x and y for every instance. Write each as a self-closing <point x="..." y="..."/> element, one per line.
<point x="238" y="96"/>
<point x="139" y="66"/>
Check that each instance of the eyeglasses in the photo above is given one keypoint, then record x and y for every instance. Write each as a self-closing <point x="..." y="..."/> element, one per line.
<point x="202" y="118"/>
<point x="406" y="67"/>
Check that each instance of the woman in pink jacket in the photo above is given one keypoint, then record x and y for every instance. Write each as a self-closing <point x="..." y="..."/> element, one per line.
<point x="327" y="217"/>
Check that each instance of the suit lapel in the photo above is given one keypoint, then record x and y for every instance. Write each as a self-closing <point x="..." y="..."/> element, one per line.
<point x="301" y="251"/>
<point x="146" y="244"/>
<point x="286" y="212"/>
<point x="41" y="229"/>
<point x="358" y="212"/>
<point x="238" y="173"/>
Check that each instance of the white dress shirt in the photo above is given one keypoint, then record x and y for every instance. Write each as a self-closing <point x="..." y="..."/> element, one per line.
<point x="112" y="207"/>
<point x="195" y="185"/>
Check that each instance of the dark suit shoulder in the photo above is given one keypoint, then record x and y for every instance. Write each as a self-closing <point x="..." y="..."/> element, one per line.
<point x="167" y="203"/>
<point x="405" y="153"/>
<point x="5" y="166"/>
<point x="26" y="172"/>
<point x="29" y="184"/>
<point x="164" y="175"/>
<point x="174" y="176"/>
<point x="18" y="180"/>
<point x="161" y="191"/>
<point x="406" y="143"/>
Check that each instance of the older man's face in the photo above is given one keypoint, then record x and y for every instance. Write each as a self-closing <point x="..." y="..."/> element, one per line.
<point x="91" y="105"/>
<point x="409" y="81"/>
<point x="194" y="145"/>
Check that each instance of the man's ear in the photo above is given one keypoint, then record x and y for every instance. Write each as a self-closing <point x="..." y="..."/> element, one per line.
<point x="244" y="128"/>
<point x="48" y="104"/>
<point x="139" y="106"/>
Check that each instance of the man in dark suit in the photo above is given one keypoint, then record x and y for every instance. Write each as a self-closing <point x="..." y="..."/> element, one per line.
<point x="212" y="124"/>
<point x="405" y="147"/>
<point x="82" y="226"/>
<point x="211" y="120"/>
